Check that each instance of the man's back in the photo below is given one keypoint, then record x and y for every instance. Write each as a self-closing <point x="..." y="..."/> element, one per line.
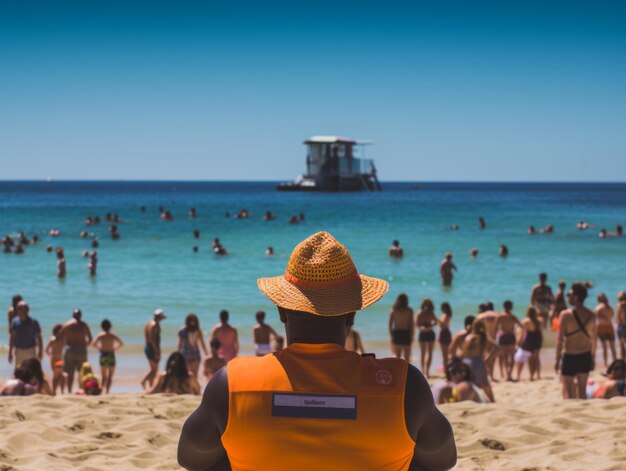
<point x="76" y="333"/>
<point x="312" y="390"/>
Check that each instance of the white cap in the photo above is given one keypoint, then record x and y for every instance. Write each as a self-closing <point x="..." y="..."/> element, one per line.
<point x="159" y="312"/>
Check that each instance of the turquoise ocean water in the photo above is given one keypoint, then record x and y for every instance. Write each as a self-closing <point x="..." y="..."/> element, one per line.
<point x="152" y="264"/>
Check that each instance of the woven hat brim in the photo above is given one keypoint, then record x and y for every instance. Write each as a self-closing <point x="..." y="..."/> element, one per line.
<point x="335" y="301"/>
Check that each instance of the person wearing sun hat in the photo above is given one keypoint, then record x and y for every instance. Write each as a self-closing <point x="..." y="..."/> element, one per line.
<point x="315" y="405"/>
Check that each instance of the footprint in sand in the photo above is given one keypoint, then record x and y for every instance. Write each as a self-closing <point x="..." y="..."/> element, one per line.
<point x="105" y="435"/>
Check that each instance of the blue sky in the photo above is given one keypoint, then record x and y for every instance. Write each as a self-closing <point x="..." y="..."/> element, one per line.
<point x="212" y="90"/>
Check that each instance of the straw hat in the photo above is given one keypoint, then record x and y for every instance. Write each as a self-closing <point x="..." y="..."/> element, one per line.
<point x="321" y="279"/>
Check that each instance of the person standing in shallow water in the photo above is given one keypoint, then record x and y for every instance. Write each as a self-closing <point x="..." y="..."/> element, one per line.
<point x="61" y="270"/>
<point x="401" y="328"/>
<point x="446" y="268"/>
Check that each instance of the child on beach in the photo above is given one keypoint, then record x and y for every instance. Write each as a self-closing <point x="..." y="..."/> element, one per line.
<point x="213" y="362"/>
<point x="54" y="350"/>
<point x="106" y="342"/>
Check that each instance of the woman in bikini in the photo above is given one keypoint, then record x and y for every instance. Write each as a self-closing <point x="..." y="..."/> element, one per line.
<point x="529" y="344"/>
<point x="445" y="335"/>
<point x="401" y="328"/>
<point x="576" y="341"/>
<point x="604" y="326"/>
<point x="176" y="379"/>
<point x="425" y="321"/>
<point x="190" y="339"/>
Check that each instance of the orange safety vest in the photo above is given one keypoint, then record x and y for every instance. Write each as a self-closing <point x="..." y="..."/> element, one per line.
<point x="317" y="407"/>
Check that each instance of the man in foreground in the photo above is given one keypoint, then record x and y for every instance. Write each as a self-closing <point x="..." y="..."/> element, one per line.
<point x="314" y="405"/>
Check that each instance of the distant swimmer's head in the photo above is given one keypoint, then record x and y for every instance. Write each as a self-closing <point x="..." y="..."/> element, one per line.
<point x="448" y="256"/>
<point x="260" y="317"/>
<point x="396" y="243"/>
<point x="543" y="277"/>
<point x="224" y="315"/>
<point x="59" y="252"/>
<point x="619" y="229"/>
<point x="77" y="314"/>
<point x="474" y="252"/>
<point x="322" y="279"/>
<point x="48" y="248"/>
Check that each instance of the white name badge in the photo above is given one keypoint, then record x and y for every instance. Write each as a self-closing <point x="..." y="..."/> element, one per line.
<point x="313" y="406"/>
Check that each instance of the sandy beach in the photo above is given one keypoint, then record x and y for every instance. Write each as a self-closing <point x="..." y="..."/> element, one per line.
<point x="529" y="428"/>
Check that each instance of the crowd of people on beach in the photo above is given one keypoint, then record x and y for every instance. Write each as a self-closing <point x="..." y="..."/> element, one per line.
<point x="492" y="343"/>
<point x="489" y="336"/>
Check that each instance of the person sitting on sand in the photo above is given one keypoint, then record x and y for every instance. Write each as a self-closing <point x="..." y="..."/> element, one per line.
<point x="505" y="326"/>
<point x="214" y="361"/>
<point x="529" y="345"/>
<point x="604" y="326"/>
<point x="108" y="343"/>
<point x="262" y="334"/>
<point x="473" y="350"/>
<point x="575" y="344"/>
<point x="228" y="337"/>
<point x="425" y="321"/>
<point x="54" y="350"/>
<point x="401" y="328"/>
<point x="615" y="384"/>
<point x="459" y="385"/>
<point x="304" y="400"/>
<point x="190" y="339"/>
<point x="28" y="379"/>
<point x="176" y="379"/>
<point x="620" y="319"/>
<point x="395" y="250"/>
<point x="88" y="383"/>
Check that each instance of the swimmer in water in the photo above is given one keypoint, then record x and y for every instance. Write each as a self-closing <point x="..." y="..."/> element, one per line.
<point x="395" y="250"/>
